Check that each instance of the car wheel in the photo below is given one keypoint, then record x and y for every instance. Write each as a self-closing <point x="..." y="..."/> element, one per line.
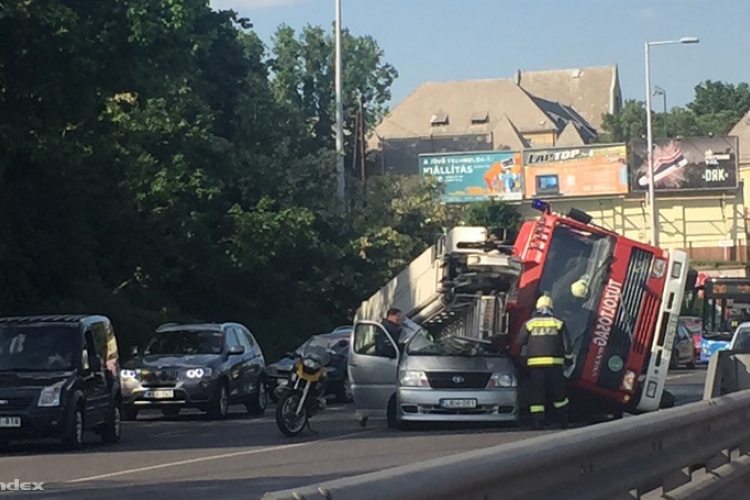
<point x="73" y="439"/>
<point x="260" y="401"/>
<point x="220" y="407"/>
<point x="113" y="426"/>
<point x="344" y="394"/>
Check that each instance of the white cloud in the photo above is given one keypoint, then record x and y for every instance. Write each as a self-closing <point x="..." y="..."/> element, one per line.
<point x="646" y="13"/>
<point x="243" y="5"/>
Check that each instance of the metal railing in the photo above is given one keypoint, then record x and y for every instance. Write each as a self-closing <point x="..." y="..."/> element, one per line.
<point x="695" y="451"/>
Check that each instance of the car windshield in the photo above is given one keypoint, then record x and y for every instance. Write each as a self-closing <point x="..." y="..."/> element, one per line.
<point x="693" y="328"/>
<point x="333" y="342"/>
<point x="424" y="343"/>
<point x="38" y="347"/>
<point x="742" y="340"/>
<point x="576" y="255"/>
<point x="185" y="342"/>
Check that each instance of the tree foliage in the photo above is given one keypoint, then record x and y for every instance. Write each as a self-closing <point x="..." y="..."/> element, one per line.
<point x="158" y="164"/>
<point x="716" y="108"/>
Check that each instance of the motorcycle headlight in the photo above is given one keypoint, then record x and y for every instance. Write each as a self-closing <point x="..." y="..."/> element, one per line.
<point x="50" y="396"/>
<point x="501" y="380"/>
<point x="310" y="363"/>
<point x="413" y="378"/>
<point x="198" y="372"/>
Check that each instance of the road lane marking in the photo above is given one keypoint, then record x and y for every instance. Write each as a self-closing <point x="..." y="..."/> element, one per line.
<point x="214" y="457"/>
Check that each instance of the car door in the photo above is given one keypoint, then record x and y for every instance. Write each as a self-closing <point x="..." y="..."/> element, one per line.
<point x="372" y="368"/>
<point x="236" y="362"/>
<point x="254" y="362"/>
<point x="687" y="345"/>
<point x="94" y="377"/>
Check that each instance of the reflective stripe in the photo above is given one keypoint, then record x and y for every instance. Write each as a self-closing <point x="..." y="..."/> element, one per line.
<point x="544" y="323"/>
<point x="560" y="404"/>
<point x="537" y="408"/>
<point x="545" y="361"/>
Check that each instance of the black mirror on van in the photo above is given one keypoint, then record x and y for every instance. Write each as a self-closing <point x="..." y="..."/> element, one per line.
<point x="236" y="350"/>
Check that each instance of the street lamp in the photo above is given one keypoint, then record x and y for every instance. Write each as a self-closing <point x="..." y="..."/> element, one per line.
<point x="660" y="91"/>
<point x="339" y="111"/>
<point x="650" y="139"/>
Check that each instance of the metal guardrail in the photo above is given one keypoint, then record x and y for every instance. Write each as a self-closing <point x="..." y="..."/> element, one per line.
<point x="695" y="451"/>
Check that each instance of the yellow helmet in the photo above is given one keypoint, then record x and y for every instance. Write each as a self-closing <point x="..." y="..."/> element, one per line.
<point x="579" y="289"/>
<point x="544" y="302"/>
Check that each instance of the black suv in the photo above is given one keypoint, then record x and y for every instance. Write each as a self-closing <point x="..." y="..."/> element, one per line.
<point x="203" y="366"/>
<point x="58" y="378"/>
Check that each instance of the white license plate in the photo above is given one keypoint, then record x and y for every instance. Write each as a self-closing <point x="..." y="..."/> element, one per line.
<point x="10" y="421"/>
<point x="458" y="403"/>
<point x="162" y="394"/>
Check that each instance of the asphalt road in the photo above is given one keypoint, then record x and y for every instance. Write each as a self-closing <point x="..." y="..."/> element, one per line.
<point x="190" y="457"/>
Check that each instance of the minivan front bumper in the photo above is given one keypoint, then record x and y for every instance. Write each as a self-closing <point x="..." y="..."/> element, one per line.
<point x="451" y="405"/>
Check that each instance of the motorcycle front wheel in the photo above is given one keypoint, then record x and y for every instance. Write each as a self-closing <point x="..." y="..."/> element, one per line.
<point x="287" y="420"/>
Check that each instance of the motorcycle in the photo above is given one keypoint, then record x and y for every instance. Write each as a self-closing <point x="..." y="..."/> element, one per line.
<point x="303" y="394"/>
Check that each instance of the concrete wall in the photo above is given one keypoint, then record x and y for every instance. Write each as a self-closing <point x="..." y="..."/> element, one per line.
<point x="707" y="227"/>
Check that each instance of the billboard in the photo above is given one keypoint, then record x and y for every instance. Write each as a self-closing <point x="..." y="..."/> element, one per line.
<point x="400" y="156"/>
<point x="576" y="171"/>
<point x="690" y="163"/>
<point x="475" y="176"/>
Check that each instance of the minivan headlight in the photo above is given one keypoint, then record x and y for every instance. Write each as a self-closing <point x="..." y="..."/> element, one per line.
<point x="501" y="380"/>
<point x="50" y="396"/>
<point x="414" y="378"/>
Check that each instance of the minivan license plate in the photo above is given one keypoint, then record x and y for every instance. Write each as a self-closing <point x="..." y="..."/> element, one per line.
<point x="458" y="403"/>
<point x="10" y="421"/>
<point x="163" y="394"/>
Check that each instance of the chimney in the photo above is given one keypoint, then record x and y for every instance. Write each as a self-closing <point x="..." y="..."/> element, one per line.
<point x="517" y="78"/>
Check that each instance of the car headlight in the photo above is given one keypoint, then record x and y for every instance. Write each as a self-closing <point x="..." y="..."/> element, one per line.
<point x="628" y="381"/>
<point x="501" y="380"/>
<point x="413" y="378"/>
<point x="128" y="374"/>
<point x="50" y="396"/>
<point x="198" y="372"/>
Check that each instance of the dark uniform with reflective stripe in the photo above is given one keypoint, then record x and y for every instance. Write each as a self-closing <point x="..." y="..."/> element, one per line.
<point x="548" y="348"/>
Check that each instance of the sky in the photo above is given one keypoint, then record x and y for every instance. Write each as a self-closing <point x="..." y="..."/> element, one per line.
<point x="439" y="40"/>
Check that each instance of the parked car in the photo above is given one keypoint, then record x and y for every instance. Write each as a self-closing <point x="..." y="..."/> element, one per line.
<point x="338" y="379"/>
<point x="741" y="338"/>
<point x="58" y="379"/>
<point x="204" y="366"/>
<point x="683" y="351"/>
<point x="447" y="379"/>
<point x="694" y="324"/>
<point x="712" y="342"/>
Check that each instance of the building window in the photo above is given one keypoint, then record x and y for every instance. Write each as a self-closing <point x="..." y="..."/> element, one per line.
<point x="439" y="119"/>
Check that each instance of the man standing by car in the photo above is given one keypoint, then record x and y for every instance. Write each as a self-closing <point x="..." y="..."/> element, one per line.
<point x="548" y="353"/>
<point x="392" y="324"/>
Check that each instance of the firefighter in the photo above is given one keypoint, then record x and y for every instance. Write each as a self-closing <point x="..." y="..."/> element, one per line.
<point x="548" y="353"/>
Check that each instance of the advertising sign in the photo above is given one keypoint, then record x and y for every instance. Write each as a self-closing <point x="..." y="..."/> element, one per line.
<point x="690" y="163"/>
<point x="472" y="177"/>
<point x="576" y="171"/>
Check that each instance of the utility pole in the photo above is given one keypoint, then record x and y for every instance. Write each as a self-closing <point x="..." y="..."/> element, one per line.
<point x="339" y="112"/>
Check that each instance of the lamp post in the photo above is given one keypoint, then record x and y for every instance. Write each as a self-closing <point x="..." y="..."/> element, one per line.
<point x="649" y="133"/>
<point x="660" y="91"/>
<point x="339" y="111"/>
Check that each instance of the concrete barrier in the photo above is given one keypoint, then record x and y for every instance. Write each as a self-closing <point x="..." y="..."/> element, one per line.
<point x="651" y="454"/>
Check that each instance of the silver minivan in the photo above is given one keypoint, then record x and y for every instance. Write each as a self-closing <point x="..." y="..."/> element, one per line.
<point x="426" y="379"/>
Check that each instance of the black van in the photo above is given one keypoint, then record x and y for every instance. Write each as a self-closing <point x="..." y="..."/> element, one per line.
<point x="59" y="377"/>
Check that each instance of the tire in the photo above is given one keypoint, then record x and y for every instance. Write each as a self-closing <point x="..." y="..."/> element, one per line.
<point x="288" y="401"/>
<point x="260" y="402"/>
<point x="674" y="361"/>
<point x="392" y="415"/>
<point x="128" y="413"/>
<point x="113" y="424"/>
<point x="171" y="412"/>
<point x="73" y="439"/>
<point x="344" y="394"/>
<point x="219" y="408"/>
